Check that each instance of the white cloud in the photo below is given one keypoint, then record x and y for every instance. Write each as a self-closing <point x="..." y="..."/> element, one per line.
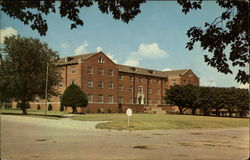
<point x="8" y="31"/>
<point x="145" y="51"/>
<point x="112" y="57"/>
<point x="244" y="86"/>
<point x="82" y="49"/>
<point x="207" y="82"/>
<point x="64" y="45"/>
<point x="98" y="49"/>
<point x="132" y="62"/>
<point x="166" y="69"/>
<point x="151" y="51"/>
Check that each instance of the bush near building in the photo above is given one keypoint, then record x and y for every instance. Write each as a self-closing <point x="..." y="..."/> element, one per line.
<point x="73" y="96"/>
<point x="50" y="108"/>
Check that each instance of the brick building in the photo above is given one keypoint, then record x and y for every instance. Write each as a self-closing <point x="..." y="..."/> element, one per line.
<point x="108" y="84"/>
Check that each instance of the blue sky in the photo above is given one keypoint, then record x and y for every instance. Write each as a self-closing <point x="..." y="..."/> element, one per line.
<point x="155" y="39"/>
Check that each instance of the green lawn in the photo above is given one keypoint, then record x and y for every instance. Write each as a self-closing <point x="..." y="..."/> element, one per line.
<point x="142" y="121"/>
<point x="154" y="121"/>
<point x="34" y="113"/>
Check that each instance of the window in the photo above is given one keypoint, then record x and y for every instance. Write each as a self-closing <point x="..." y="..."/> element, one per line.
<point x="90" y="70"/>
<point x="111" y="73"/>
<point x="100" y="84"/>
<point x="90" y="83"/>
<point x="140" y="90"/>
<point x="158" y="101"/>
<point x="120" y="88"/>
<point x="190" y="75"/>
<point x="100" y="71"/>
<point x="164" y="101"/>
<point x="159" y="81"/>
<point x="90" y="98"/>
<point x="100" y="98"/>
<point x="158" y="91"/>
<point x="131" y="89"/>
<point x="140" y="80"/>
<point x="130" y="100"/>
<point x="119" y="99"/>
<point x="165" y="82"/>
<point x="120" y="77"/>
<point x="110" y="85"/>
<point x="111" y="99"/>
<point x="149" y="101"/>
<point x="150" y="81"/>
<point x="100" y="60"/>
<point x="149" y="90"/>
<point x="73" y="69"/>
<point x="131" y="78"/>
<point x="173" y="82"/>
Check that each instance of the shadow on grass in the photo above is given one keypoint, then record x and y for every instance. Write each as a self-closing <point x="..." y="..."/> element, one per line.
<point x="31" y="114"/>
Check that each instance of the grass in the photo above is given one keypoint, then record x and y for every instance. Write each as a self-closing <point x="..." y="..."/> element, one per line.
<point x="141" y="121"/>
<point x="159" y="122"/>
<point x="34" y="113"/>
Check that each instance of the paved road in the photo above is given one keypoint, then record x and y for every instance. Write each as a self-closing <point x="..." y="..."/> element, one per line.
<point x="25" y="138"/>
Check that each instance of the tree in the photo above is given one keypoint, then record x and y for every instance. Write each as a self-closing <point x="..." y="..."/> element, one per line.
<point x="228" y="33"/>
<point x="175" y="96"/>
<point x="229" y="30"/>
<point x="243" y="101"/>
<point x="74" y="97"/>
<point x="24" y="66"/>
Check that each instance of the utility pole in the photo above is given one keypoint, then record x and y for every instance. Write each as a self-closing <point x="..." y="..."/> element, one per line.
<point x="46" y="88"/>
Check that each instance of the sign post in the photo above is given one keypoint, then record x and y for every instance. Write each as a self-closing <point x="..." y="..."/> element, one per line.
<point x="129" y="114"/>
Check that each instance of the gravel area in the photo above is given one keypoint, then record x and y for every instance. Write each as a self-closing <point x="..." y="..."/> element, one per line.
<point x="27" y="138"/>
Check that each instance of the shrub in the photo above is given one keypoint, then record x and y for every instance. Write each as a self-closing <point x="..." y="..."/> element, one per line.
<point x="100" y="110"/>
<point x="119" y="108"/>
<point x="18" y="105"/>
<point x="110" y="110"/>
<point x="73" y="96"/>
<point x="61" y="108"/>
<point x="38" y="107"/>
<point x="50" y="107"/>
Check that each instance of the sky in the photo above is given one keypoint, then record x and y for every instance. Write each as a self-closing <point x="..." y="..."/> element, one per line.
<point x="155" y="39"/>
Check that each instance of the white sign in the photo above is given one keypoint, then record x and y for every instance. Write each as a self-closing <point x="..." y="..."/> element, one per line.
<point x="129" y="112"/>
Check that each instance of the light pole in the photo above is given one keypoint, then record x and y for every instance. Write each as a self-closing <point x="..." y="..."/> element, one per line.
<point x="46" y="88"/>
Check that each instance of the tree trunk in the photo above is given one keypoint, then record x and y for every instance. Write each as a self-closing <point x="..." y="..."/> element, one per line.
<point x="74" y="110"/>
<point x="23" y="107"/>
<point x="193" y="111"/>
<point x="180" y="109"/>
<point x="230" y="112"/>
<point x="217" y="113"/>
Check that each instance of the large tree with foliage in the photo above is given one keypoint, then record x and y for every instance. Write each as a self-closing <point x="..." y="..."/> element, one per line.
<point x="226" y="38"/>
<point x="175" y="96"/>
<point x="23" y="66"/>
<point x="74" y="97"/>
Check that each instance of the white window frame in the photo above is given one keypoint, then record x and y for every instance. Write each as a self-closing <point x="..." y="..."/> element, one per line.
<point x="111" y="99"/>
<point x="100" y="82"/>
<point x="111" y="73"/>
<point x="91" y="82"/>
<point x="111" y="85"/>
<point x="100" y="95"/>
<point x="91" y="98"/>
<point x="90" y="70"/>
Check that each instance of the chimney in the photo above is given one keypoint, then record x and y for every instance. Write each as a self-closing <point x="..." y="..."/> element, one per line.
<point x="151" y="71"/>
<point x="66" y="59"/>
<point x="134" y="69"/>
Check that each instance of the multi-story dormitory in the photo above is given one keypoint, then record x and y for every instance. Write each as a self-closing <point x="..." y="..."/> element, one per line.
<point x="108" y="84"/>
